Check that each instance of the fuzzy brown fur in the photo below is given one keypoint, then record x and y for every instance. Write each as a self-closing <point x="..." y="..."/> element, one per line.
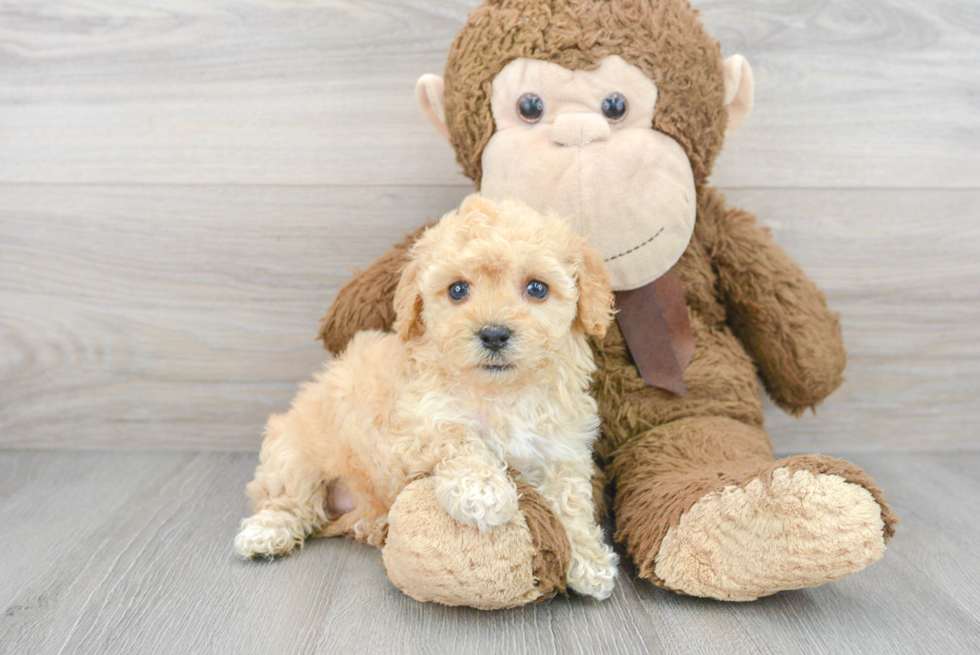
<point x="753" y="311"/>
<point x="664" y="39"/>
<point x="652" y="493"/>
<point x="369" y="303"/>
<point x="553" y="552"/>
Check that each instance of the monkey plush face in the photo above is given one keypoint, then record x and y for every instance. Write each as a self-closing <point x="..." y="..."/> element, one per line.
<point x="610" y="112"/>
<point x="579" y="143"/>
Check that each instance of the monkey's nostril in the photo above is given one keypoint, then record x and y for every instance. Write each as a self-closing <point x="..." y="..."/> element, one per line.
<point x="494" y="337"/>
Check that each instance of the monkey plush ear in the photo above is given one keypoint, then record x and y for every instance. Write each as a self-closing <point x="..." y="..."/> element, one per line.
<point x="595" y="296"/>
<point x="430" y="94"/>
<point x="739" y="92"/>
<point x="408" y="302"/>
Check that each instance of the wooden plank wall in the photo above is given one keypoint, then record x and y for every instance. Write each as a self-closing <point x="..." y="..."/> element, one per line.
<point x="185" y="185"/>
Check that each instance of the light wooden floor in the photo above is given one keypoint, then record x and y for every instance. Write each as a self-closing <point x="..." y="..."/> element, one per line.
<point x="185" y="185"/>
<point x="131" y="553"/>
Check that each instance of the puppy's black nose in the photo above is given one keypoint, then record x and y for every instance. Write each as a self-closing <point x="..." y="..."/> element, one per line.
<point x="494" y="337"/>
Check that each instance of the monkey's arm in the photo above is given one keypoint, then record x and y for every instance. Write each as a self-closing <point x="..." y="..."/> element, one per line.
<point x="779" y="314"/>
<point x="364" y="303"/>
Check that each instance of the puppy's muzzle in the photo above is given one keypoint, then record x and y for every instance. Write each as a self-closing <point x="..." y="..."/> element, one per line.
<point x="494" y="337"/>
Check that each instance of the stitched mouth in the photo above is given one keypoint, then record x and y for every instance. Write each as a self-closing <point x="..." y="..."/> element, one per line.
<point x="497" y="366"/>
<point x="635" y="248"/>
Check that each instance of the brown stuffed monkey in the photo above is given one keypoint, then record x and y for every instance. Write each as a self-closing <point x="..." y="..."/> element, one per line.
<point x="612" y="112"/>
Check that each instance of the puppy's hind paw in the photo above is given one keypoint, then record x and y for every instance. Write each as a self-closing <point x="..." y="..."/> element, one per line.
<point x="594" y="574"/>
<point x="479" y="500"/>
<point x="269" y="533"/>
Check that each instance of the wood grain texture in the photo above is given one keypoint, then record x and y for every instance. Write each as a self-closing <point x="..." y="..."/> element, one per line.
<point x="180" y="317"/>
<point x="123" y="553"/>
<point x="881" y="93"/>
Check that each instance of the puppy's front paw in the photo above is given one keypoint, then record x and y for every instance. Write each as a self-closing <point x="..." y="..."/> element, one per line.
<point x="593" y="571"/>
<point x="268" y="534"/>
<point x="480" y="499"/>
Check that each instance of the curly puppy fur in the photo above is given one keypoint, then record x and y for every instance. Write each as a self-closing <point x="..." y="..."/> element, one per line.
<point x="436" y="398"/>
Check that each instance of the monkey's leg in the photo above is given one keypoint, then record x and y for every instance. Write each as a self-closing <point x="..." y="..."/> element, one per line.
<point x="432" y="557"/>
<point x="704" y="510"/>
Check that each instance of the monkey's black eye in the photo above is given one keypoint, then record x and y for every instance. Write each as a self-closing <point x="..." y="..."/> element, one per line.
<point x="530" y="107"/>
<point x="537" y="289"/>
<point x="614" y="107"/>
<point x="459" y="290"/>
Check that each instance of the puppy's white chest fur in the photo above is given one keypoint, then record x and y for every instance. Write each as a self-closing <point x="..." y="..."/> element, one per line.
<point x="525" y="433"/>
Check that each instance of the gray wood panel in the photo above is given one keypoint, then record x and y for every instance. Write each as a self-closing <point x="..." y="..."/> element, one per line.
<point x="180" y="317"/>
<point x="131" y="553"/>
<point x="175" y="316"/>
<point x="879" y="93"/>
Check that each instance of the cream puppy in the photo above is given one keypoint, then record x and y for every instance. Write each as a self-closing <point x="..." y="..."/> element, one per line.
<point x="487" y="375"/>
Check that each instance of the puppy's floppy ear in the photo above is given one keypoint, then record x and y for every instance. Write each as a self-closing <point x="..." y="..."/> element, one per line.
<point x="408" y="301"/>
<point x="595" y="296"/>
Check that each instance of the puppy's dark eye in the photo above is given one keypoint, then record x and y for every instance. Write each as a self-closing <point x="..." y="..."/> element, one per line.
<point x="614" y="107"/>
<point x="537" y="289"/>
<point x="530" y="107"/>
<point x="459" y="290"/>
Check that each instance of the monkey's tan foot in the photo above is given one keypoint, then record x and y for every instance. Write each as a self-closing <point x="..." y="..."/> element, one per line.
<point x="801" y="522"/>
<point x="432" y="557"/>
<point x="704" y="510"/>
